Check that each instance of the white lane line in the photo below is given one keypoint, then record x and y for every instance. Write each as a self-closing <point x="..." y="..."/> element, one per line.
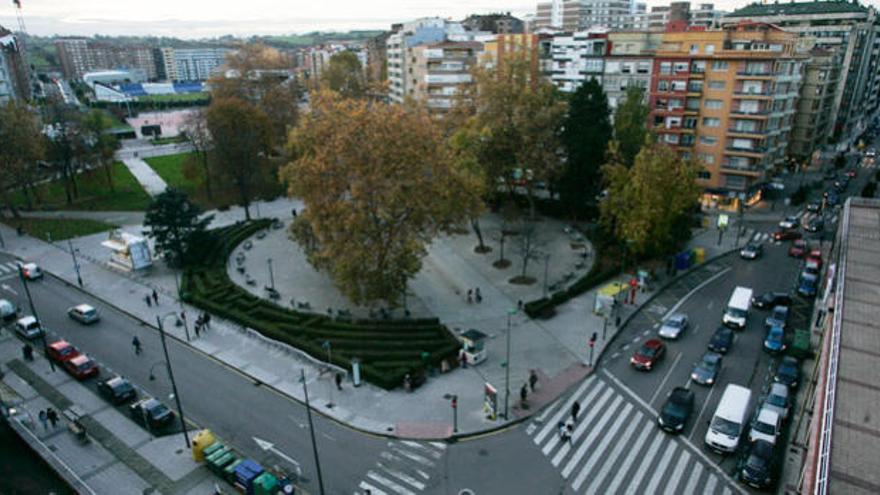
<point x="551" y="425"/>
<point x="373" y="490"/>
<point x="694" y="478"/>
<point x="660" y="472"/>
<point x="702" y="410"/>
<point x="415" y="457"/>
<point x="694" y="291"/>
<point x="677" y="473"/>
<point x="666" y="377"/>
<point x="603" y="445"/>
<point x="424" y="448"/>
<point x="439" y="445"/>
<point x="647" y="462"/>
<point x="711" y="484"/>
<point x="595" y="409"/>
<point x="418" y="485"/>
<point x="630" y="458"/>
<point x="611" y="460"/>
<point x="385" y="482"/>
<point x="726" y="491"/>
<point x="629" y="392"/>
<point x="594" y="434"/>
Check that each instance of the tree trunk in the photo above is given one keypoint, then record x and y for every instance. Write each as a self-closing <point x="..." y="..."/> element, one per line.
<point x="108" y="170"/>
<point x="475" y="224"/>
<point x="204" y="157"/>
<point x="66" y="174"/>
<point x="27" y="196"/>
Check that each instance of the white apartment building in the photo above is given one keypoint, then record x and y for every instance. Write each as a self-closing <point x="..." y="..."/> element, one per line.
<point x="577" y="57"/>
<point x="192" y="64"/>
<point x="576" y="15"/>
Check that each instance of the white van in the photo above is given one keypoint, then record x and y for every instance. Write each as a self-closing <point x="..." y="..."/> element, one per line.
<point x="729" y="421"/>
<point x="737" y="313"/>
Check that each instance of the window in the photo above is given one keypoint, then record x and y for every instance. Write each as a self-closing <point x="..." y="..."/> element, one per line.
<point x="695" y="49"/>
<point x="674" y="104"/>
<point x="704" y="174"/>
<point x="693" y="103"/>
<point x="719" y="65"/>
<point x="663" y="85"/>
<point x="713" y="104"/>
<point x="681" y="67"/>
<point x="708" y="140"/>
<point x="716" y="84"/>
<point x="665" y="67"/>
<point x="710" y="49"/>
<point x="626" y="68"/>
<point x="678" y="85"/>
<point x="706" y="158"/>
<point x="711" y="122"/>
<point x="670" y="138"/>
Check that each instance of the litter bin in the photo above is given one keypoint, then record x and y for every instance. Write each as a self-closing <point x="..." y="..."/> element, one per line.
<point x="699" y="255"/>
<point x="683" y="261"/>
<point x="201" y="440"/>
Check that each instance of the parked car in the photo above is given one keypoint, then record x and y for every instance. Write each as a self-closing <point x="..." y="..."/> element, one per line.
<point x="62" y="350"/>
<point x="31" y="271"/>
<point x="832" y="198"/>
<point x="767" y="426"/>
<point x="774" y="342"/>
<point x="786" y="235"/>
<point x="871" y="153"/>
<point x="778" y="399"/>
<point x="706" y="371"/>
<point x="757" y="468"/>
<point x="28" y="327"/>
<point x="788" y="372"/>
<point x="751" y="251"/>
<point x="808" y="284"/>
<point x="674" y="326"/>
<point x="851" y="173"/>
<point x="8" y="311"/>
<point x="117" y="390"/>
<point x="722" y="340"/>
<point x="789" y="222"/>
<point x="798" y="248"/>
<point x="648" y="355"/>
<point x="777" y="317"/>
<point x="814" y="207"/>
<point x="676" y="410"/>
<point x="151" y="413"/>
<point x="84" y="314"/>
<point x="81" y="367"/>
<point x="772" y="299"/>
<point x="815" y="225"/>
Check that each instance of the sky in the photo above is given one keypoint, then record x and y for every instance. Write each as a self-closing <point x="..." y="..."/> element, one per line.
<point x="209" y="18"/>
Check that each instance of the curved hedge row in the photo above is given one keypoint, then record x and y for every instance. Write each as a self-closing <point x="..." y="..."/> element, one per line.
<point x="387" y="349"/>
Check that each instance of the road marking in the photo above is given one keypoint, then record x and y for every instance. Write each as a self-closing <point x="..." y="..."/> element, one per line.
<point x="629" y="392"/>
<point x="415" y="457"/>
<point x="618" y="478"/>
<point x="647" y="462"/>
<point x="694" y="478"/>
<point x="387" y="483"/>
<point x="564" y="410"/>
<point x="595" y="409"/>
<point x="702" y="410"/>
<point x="711" y="484"/>
<point x="694" y="290"/>
<point x="660" y="471"/>
<point x="677" y="472"/>
<point x="9" y="289"/>
<point x="646" y="333"/>
<point x="373" y="490"/>
<point x="615" y="355"/>
<point x="418" y="485"/>
<point x="666" y="377"/>
<point x="432" y="453"/>
<point x="594" y="433"/>
<point x="593" y="459"/>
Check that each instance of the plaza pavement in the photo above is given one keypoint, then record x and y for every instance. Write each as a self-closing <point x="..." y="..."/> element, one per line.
<point x="556" y="348"/>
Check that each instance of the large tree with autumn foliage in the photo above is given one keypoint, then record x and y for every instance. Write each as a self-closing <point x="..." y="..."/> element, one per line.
<point x="378" y="183"/>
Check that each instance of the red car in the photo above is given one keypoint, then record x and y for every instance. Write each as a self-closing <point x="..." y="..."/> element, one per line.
<point x="815" y="255"/>
<point x="798" y="248"/>
<point x="786" y="234"/>
<point x="81" y="367"/>
<point x="61" y="351"/>
<point x="651" y="352"/>
<point x="851" y="173"/>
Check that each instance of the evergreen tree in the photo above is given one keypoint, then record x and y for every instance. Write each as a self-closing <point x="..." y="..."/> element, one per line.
<point x="175" y="226"/>
<point x="631" y="124"/>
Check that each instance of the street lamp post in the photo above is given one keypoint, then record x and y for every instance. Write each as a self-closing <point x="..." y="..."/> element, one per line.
<point x="453" y="401"/>
<point x="79" y="279"/>
<point x="510" y="313"/>
<point x="546" y="271"/>
<point x="34" y="312"/>
<point x="312" y="432"/>
<point x="271" y="274"/>
<point x="171" y="376"/>
<point x="182" y="317"/>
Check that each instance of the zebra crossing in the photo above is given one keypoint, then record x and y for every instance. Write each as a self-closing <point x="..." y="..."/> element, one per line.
<point x="403" y="468"/>
<point x="616" y="447"/>
<point x="10" y="267"/>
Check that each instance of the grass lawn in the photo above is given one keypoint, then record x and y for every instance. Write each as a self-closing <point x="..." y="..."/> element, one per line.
<point x="94" y="193"/>
<point x="58" y="229"/>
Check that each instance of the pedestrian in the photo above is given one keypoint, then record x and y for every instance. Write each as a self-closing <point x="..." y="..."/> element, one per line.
<point x="52" y="416"/>
<point x="43" y="419"/>
<point x="338" y="381"/>
<point x="477" y="295"/>
<point x="533" y="379"/>
<point x="519" y="305"/>
<point x="462" y="357"/>
<point x="155" y="297"/>
<point x="136" y="343"/>
<point x="407" y="383"/>
<point x="470" y="296"/>
<point x="524" y="393"/>
<point x="148" y="300"/>
<point x="569" y="432"/>
<point x="575" y="409"/>
<point x="207" y="320"/>
<point x="198" y="328"/>
<point x="564" y="434"/>
<point x="27" y="352"/>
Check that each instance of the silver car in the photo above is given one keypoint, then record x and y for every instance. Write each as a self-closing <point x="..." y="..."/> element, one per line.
<point x="673" y="327"/>
<point x="778" y="400"/>
<point x="706" y="371"/>
<point x="28" y="327"/>
<point x="84" y="314"/>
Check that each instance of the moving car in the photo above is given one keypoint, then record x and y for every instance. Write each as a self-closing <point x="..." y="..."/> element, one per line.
<point x="789" y="222"/>
<point x="778" y="399"/>
<point x="815" y="225"/>
<point x="117" y="390"/>
<point x="61" y="350"/>
<point x="777" y="317"/>
<point x="757" y="465"/>
<point x="786" y="235"/>
<point x="771" y="299"/>
<point x="737" y="313"/>
<point x="673" y="327"/>
<point x="851" y="173"/>
<point x="648" y="355"/>
<point x="31" y="271"/>
<point x="8" y="311"/>
<point x="722" y="340"/>
<point x="767" y="426"/>
<point x="774" y="342"/>
<point x="751" y="251"/>
<point x="676" y="410"/>
<point x="871" y="153"/>
<point x="788" y="372"/>
<point x="808" y="284"/>
<point x="729" y="420"/>
<point x="814" y="207"/>
<point x="28" y="327"/>
<point x="84" y="314"/>
<point x="706" y="371"/>
<point x="81" y="367"/>
<point x="151" y="412"/>
<point x="798" y="248"/>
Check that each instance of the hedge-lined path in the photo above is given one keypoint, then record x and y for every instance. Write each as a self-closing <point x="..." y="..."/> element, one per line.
<point x="556" y="344"/>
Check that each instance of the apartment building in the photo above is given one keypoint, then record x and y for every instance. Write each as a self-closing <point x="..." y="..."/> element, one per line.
<point x="497" y="50"/>
<point x="578" y="15"/>
<point x="14" y="77"/>
<point x="440" y="70"/>
<point x="578" y="57"/>
<point x="494" y="23"/>
<point x="191" y="64"/>
<point x="629" y="62"/>
<point x="79" y="56"/>
<point x="704" y="15"/>
<point x="847" y="29"/>
<point x="812" y="121"/>
<point x="727" y="99"/>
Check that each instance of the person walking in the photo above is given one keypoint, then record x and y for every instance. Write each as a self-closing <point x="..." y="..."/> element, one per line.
<point x="43" y="419"/>
<point x="338" y="381"/>
<point x="564" y="434"/>
<point x="198" y="328"/>
<point x="148" y="300"/>
<point x="470" y="296"/>
<point x="27" y="352"/>
<point x="524" y="394"/>
<point x="52" y="416"/>
<point x="569" y="432"/>
<point x="207" y="319"/>
<point x="136" y="343"/>
<point x="155" y="297"/>
<point x="575" y="410"/>
<point x="477" y="295"/>
<point x="533" y="380"/>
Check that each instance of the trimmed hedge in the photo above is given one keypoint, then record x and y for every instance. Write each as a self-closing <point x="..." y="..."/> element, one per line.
<point x="387" y="349"/>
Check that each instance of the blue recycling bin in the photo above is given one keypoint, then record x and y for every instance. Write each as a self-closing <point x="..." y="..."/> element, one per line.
<point x="683" y="260"/>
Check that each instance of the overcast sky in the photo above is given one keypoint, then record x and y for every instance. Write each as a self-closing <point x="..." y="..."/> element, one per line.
<point x="208" y="18"/>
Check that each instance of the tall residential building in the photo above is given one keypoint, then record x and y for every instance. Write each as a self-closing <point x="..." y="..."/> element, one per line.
<point x="704" y="15"/>
<point x="377" y="56"/>
<point x="577" y="15"/>
<point x="629" y="63"/>
<point x="727" y="99"/>
<point x="438" y="71"/>
<point x="494" y="23"/>
<point x="192" y="64"/>
<point x="497" y="50"/>
<point x="79" y="56"/>
<point x="14" y="78"/>
<point x="812" y="121"/>
<point x="578" y="57"/>
<point x="846" y="29"/>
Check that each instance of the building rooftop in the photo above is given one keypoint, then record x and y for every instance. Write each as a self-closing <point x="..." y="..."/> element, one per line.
<point x="798" y="8"/>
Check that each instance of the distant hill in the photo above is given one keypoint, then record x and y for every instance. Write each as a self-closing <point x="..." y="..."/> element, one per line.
<point x="315" y="38"/>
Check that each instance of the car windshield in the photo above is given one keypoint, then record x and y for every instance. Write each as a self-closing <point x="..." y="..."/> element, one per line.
<point x="66" y="350"/>
<point x="709" y="362"/>
<point x="84" y="366"/>
<point x="765" y="428"/>
<point x="775" y="333"/>
<point x="648" y="351"/>
<point x="725" y="427"/>
<point x="122" y="387"/>
<point x="752" y="247"/>
<point x="674" y="323"/>
<point x="722" y="334"/>
<point x="159" y="410"/>
<point x="736" y="313"/>
<point x="756" y="463"/>
<point x="674" y="410"/>
<point x="776" y="400"/>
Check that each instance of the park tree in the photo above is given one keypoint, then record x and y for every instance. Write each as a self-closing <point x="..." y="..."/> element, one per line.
<point x="345" y="75"/>
<point x="378" y="183"/>
<point x="25" y="145"/>
<point x="99" y="145"/>
<point x="242" y="136"/>
<point x="195" y="129"/>
<point x="631" y="124"/>
<point x="649" y="205"/>
<point x="176" y="226"/>
<point x="66" y="148"/>
<point x="586" y="133"/>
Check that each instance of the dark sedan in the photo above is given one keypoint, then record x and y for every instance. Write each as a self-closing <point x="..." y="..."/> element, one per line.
<point x="788" y="372"/>
<point x="769" y="300"/>
<point x="757" y="465"/>
<point x="676" y="410"/>
<point x="722" y="340"/>
<point x="786" y="234"/>
<point x="117" y="390"/>
<point x="152" y="413"/>
<point x="706" y="371"/>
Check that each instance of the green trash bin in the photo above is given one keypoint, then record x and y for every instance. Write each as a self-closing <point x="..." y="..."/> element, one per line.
<point x="229" y="471"/>
<point x="210" y="449"/>
<point x="221" y="462"/>
<point x="265" y="484"/>
<point x="216" y="454"/>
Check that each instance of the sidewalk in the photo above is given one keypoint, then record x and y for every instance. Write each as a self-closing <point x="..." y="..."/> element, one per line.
<point x="556" y="348"/>
<point x="120" y="456"/>
<point x="145" y="175"/>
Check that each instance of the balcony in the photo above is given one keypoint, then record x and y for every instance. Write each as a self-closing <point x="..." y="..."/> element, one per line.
<point x="752" y="94"/>
<point x="760" y="113"/>
<point x="754" y="73"/>
<point x="749" y="132"/>
<point x="750" y="170"/>
<point x="755" y="152"/>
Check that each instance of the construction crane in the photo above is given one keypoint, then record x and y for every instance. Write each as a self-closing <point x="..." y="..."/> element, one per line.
<point x="22" y="51"/>
<point x="18" y="14"/>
